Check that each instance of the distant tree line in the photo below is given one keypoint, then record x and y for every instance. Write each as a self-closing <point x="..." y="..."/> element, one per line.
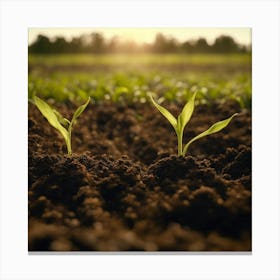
<point x="96" y="43"/>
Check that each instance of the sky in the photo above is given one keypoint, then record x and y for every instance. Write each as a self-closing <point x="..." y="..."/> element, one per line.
<point x="146" y="35"/>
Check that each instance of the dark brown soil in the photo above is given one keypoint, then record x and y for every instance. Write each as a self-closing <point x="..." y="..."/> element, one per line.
<point x="124" y="188"/>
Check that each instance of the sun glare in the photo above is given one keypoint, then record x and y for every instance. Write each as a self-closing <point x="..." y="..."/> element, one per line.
<point x="147" y="35"/>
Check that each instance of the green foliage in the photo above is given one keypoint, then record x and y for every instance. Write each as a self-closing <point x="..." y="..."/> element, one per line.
<point x="216" y="127"/>
<point x="126" y="79"/>
<point x="183" y="119"/>
<point x="138" y="59"/>
<point x="132" y="87"/>
<point x="55" y="119"/>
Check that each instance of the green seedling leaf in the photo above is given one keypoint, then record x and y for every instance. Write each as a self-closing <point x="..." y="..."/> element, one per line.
<point x="48" y="113"/>
<point x="165" y="113"/>
<point x="181" y="121"/>
<point x="79" y="111"/>
<point x="186" y="113"/>
<point x="120" y="90"/>
<point x="63" y="121"/>
<point x="31" y="100"/>
<point x="58" y="121"/>
<point x="216" y="127"/>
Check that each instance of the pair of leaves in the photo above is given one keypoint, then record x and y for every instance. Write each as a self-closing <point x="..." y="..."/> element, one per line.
<point x="55" y="119"/>
<point x="184" y="117"/>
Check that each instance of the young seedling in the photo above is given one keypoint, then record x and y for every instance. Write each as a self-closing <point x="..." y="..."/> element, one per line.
<point x="182" y="120"/>
<point x="55" y="119"/>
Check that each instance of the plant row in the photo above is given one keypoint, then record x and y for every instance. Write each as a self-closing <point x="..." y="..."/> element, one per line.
<point x="126" y="88"/>
<point x="65" y="126"/>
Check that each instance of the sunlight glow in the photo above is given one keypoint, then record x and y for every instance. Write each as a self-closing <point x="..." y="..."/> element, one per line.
<point x="147" y="35"/>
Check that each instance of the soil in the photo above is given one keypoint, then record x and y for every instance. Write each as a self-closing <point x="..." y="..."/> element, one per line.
<point x="125" y="189"/>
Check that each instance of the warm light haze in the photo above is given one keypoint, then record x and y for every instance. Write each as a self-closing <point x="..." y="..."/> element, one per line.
<point x="147" y="35"/>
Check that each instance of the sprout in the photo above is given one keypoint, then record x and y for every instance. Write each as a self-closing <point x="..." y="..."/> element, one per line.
<point x="55" y="119"/>
<point x="182" y="120"/>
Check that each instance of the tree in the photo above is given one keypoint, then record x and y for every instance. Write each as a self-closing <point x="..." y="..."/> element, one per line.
<point x="41" y="45"/>
<point x="225" y="44"/>
<point x="76" y="45"/>
<point x="201" y="46"/>
<point x="60" y="45"/>
<point x="97" y="44"/>
<point x="163" y="44"/>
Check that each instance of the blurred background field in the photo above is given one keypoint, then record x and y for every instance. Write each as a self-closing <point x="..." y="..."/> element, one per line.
<point x="242" y="60"/>
<point x="119" y="69"/>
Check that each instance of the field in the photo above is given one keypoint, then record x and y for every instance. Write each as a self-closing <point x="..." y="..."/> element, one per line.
<point x="124" y="188"/>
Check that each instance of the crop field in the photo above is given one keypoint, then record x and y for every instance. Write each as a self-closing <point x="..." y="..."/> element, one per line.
<point x="119" y="78"/>
<point x="141" y="59"/>
<point x="109" y="164"/>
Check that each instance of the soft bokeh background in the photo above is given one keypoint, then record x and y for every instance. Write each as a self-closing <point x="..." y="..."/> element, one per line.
<point x="123" y="64"/>
<point x="146" y="35"/>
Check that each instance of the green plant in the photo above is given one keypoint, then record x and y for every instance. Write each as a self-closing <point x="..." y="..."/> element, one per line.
<point x="182" y="120"/>
<point x="55" y="119"/>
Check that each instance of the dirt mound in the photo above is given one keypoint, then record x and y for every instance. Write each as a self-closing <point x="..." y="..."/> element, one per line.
<point x="125" y="189"/>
